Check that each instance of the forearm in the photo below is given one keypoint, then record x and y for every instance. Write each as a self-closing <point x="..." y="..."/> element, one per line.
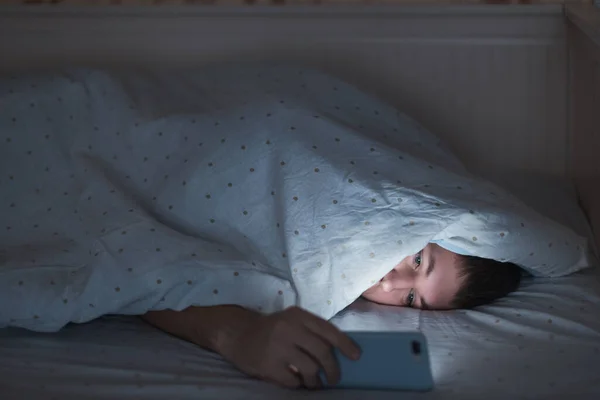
<point x="212" y="328"/>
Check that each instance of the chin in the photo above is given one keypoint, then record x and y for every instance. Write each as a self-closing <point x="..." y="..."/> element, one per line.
<point x="371" y="295"/>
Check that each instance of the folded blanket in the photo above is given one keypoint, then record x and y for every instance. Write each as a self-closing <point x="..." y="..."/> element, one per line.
<point x="264" y="186"/>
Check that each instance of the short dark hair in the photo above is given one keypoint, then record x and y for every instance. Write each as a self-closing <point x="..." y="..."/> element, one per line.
<point x="484" y="280"/>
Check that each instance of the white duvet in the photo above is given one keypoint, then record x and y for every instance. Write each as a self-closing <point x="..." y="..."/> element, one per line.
<point x="262" y="186"/>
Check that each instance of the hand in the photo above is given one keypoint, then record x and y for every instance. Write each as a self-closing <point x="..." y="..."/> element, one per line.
<point x="289" y="348"/>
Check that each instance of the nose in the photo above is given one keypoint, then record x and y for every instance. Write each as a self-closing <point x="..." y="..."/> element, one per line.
<point x="398" y="278"/>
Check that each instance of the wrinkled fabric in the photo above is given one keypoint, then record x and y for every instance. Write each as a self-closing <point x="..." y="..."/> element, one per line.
<point x="541" y="342"/>
<point x="262" y="186"/>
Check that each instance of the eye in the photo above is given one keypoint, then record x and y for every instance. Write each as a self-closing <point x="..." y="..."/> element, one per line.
<point x="410" y="299"/>
<point x="418" y="260"/>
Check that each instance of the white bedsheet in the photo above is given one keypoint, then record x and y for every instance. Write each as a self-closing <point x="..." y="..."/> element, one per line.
<point x="542" y="343"/>
<point x="262" y="186"/>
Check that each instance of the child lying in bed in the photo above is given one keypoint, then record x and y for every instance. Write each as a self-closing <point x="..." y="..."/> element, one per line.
<point x="121" y="196"/>
<point x="291" y="346"/>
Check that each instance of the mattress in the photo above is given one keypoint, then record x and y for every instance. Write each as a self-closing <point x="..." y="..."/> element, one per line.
<point x="541" y="342"/>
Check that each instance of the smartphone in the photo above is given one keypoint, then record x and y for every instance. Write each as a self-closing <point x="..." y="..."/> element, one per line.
<point x="389" y="361"/>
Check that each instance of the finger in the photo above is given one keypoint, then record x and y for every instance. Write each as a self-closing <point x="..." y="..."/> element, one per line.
<point x="286" y="378"/>
<point x="305" y="367"/>
<point x="322" y="352"/>
<point x="332" y="335"/>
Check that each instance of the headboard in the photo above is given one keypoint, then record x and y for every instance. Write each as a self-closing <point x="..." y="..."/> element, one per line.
<point x="491" y="80"/>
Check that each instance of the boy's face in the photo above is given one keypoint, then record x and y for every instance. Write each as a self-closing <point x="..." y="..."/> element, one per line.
<point x="427" y="280"/>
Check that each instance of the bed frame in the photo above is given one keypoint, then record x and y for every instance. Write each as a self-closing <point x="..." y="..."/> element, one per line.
<point x="584" y="77"/>
<point x="508" y="87"/>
